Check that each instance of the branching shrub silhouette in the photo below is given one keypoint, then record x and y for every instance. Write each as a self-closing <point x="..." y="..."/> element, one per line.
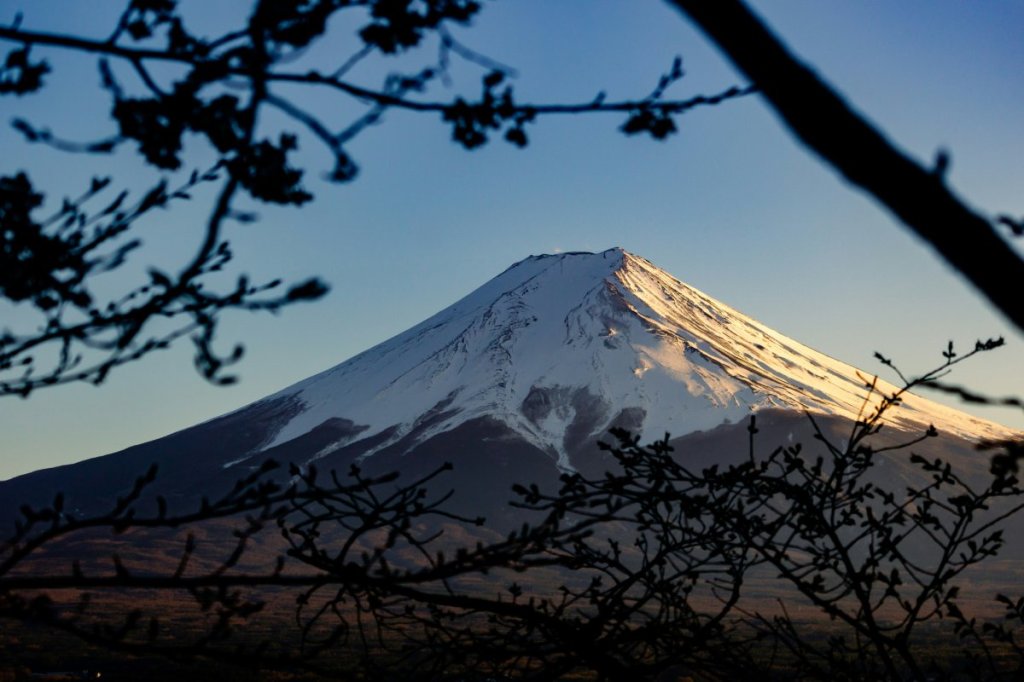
<point x="622" y="576"/>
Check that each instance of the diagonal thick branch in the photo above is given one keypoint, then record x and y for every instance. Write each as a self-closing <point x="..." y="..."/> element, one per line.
<point x="820" y="118"/>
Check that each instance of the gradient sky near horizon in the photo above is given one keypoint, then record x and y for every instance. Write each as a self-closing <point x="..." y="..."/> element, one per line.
<point x="731" y="205"/>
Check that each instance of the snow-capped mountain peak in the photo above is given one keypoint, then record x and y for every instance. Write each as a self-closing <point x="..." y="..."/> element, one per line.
<point x="561" y="347"/>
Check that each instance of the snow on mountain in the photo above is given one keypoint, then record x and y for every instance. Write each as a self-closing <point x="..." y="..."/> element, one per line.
<point x="560" y="347"/>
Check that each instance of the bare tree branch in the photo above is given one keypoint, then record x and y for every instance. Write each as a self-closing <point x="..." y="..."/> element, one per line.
<point x="845" y="140"/>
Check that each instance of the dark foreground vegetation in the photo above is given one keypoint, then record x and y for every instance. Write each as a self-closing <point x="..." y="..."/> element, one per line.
<point x="848" y="558"/>
<point x="41" y="652"/>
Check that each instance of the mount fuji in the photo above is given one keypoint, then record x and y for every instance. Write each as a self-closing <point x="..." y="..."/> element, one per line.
<point x="559" y="348"/>
<point x="517" y="381"/>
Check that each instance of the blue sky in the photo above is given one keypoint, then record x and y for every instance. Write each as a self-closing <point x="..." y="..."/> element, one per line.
<point x="731" y="205"/>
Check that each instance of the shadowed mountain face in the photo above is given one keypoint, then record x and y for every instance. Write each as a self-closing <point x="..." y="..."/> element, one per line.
<point x="516" y="382"/>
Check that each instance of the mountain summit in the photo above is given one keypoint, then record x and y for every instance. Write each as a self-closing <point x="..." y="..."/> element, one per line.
<point x="559" y="348"/>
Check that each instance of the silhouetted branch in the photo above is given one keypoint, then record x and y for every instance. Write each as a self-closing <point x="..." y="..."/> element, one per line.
<point x="821" y="120"/>
<point x="217" y="90"/>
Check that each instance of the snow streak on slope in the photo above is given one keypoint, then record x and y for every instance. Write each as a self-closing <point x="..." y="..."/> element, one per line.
<point x="561" y="347"/>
